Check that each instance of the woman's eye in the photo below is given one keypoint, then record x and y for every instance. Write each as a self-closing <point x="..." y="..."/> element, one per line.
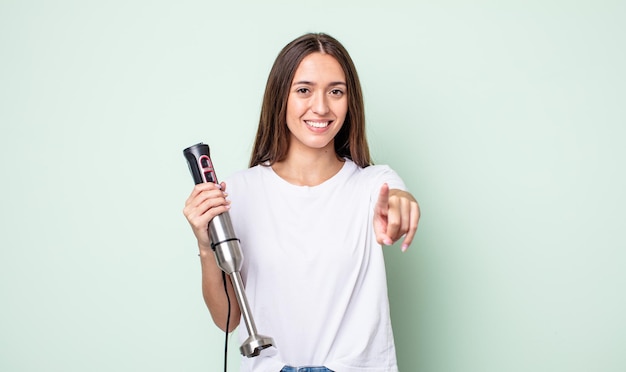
<point x="303" y="90"/>
<point x="336" y="92"/>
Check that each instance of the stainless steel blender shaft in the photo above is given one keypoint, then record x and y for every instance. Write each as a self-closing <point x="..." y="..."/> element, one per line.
<point x="230" y="258"/>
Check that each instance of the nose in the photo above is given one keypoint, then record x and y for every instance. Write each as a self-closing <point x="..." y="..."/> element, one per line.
<point x="319" y="105"/>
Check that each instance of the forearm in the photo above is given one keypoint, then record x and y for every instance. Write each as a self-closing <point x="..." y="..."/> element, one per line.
<point x="214" y="295"/>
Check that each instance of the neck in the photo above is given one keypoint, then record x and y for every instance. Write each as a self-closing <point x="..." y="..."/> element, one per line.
<point x="309" y="168"/>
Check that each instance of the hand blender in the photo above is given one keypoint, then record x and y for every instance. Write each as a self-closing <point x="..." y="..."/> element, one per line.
<point x="226" y="247"/>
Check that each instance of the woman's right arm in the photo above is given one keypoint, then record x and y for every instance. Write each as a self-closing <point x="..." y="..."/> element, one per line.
<point x="206" y="201"/>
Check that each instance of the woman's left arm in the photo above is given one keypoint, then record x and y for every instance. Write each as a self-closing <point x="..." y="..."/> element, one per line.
<point x="396" y="214"/>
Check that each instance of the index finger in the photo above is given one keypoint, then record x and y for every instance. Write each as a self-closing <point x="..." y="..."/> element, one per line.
<point x="382" y="204"/>
<point x="198" y="188"/>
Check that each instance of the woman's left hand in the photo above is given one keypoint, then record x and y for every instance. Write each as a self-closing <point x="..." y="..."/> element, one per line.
<point x="396" y="214"/>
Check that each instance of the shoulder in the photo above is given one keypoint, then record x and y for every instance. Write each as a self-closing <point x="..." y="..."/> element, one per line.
<point x="247" y="174"/>
<point x="375" y="170"/>
<point x="246" y="180"/>
<point x="379" y="174"/>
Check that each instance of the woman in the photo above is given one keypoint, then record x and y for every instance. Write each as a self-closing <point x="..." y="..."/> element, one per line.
<point x="311" y="213"/>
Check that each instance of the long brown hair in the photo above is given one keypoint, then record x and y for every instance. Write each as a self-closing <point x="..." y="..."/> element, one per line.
<point x="272" y="137"/>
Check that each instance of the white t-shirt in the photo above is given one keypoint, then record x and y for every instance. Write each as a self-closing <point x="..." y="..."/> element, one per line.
<point x="314" y="273"/>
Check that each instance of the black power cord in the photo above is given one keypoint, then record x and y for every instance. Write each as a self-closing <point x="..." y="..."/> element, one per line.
<point x="227" y="323"/>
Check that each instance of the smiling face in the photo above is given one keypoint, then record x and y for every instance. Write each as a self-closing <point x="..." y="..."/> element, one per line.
<point x="317" y="103"/>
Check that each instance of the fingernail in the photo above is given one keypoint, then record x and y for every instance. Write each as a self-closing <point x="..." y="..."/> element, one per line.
<point x="404" y="247"/>
<point x="388" y="242"/>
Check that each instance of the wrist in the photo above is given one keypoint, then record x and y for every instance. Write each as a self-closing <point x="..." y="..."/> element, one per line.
<point x="205" y="251"/>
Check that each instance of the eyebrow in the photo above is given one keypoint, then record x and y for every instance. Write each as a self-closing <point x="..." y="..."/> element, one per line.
<point x="333" y="84"/>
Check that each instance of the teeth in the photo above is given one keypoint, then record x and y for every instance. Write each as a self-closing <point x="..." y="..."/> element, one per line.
<point x="317" y="124"/>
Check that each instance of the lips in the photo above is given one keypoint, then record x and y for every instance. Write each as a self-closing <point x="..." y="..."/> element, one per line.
<point x="317" y="124"/>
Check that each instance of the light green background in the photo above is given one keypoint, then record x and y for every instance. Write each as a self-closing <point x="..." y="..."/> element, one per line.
<point x="505" y="118"/>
